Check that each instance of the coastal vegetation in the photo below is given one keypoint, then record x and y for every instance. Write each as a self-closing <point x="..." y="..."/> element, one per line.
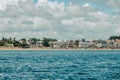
<point x="114" y="37"/>
<point x="24" y="42"/>
<point x="47" y="40"/>
<point x="113" y="42"/>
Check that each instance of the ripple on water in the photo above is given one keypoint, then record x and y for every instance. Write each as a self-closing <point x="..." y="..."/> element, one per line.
<point x="25" y="68"/>
<point x="61" y="65"/>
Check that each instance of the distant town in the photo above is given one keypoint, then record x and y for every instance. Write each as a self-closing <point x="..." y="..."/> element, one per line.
<point x="112" y="43"/>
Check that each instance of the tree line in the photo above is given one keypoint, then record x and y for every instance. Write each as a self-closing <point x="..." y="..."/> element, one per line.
<point x="114" y="37"/>
<point x="17" y="43"/>
<point x="45" y="41"/>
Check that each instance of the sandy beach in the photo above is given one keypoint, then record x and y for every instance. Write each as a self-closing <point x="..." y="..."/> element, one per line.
<point x="18" y="48"/>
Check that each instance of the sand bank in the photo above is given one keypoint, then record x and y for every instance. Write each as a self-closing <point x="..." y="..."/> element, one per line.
<point x="17" y="48"/>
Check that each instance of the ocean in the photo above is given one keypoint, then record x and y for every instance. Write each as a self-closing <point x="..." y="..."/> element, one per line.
<point x="60" y="65"/>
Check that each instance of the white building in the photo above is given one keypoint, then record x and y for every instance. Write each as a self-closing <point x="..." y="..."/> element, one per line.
<point x="39" y="44"/>
<point x="117" y="44"/>
<point x="85" y="44"/>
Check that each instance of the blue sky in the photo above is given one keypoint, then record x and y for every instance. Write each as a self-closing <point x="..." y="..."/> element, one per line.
<point x="65" y="1"/>
<point x="35" y="1"/>
<point x="61" y="19"/>
<point x="100" y="6"/>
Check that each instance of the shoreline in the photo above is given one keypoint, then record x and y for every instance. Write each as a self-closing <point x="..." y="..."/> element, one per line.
<point x="17" y="48"/>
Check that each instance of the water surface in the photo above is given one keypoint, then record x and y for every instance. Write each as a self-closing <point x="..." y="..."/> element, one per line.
<point x="60" y="65"/>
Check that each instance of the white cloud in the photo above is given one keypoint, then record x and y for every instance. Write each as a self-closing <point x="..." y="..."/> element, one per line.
<point x="86" y="5"/>
<point x="100" y="15"/>
<point x="117" y="31"/>
<point x="67" y="22"/>
<point x="5" y="3"/>
<point x="113" y="3"/>
<point x="52" y="19"/>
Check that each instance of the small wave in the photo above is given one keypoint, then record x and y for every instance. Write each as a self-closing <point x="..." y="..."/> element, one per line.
<point x="25" y="68"/>
<point x="88" y="79"/>
<point x="7" y="70"/>
<point x="80" y="73"/>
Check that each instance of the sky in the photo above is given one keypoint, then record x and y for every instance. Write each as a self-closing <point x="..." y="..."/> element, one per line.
<point x="60" y="19"/>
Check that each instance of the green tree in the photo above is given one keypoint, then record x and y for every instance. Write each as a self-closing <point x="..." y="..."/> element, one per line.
<point x="14" y="39"/>
<point x="3" y="39"/>
<point x="35" y="39"/>
<point x="10" y="39"/>
<point x="77" y="43"/>
<point x="2" y="43"/>
<point x="17" y="44"/>
<point x="23" y="39"/>
<point x="83" y="40"/>
<point x="24" y="43"/>
<point x="114" y="37"/>
<point x="47" y="40"/>
<point x="119" y="37"/>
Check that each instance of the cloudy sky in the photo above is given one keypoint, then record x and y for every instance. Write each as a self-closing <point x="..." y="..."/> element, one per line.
<point x="61" y="19"/>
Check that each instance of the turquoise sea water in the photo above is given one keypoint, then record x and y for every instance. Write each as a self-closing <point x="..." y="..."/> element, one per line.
<point x="60" y="65"/>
